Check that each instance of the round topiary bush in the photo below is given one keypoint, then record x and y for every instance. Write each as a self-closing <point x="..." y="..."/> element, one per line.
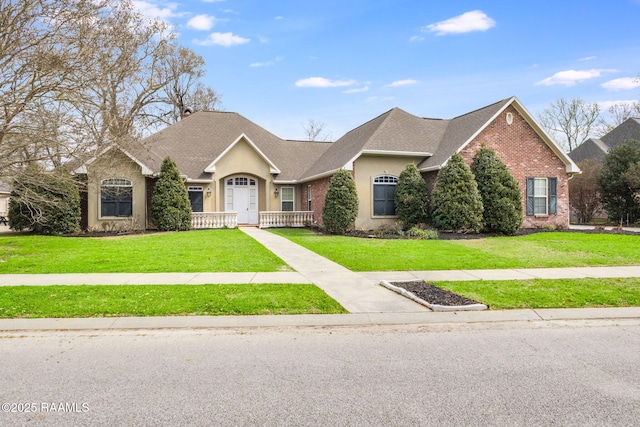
<point x="341" y="203"/>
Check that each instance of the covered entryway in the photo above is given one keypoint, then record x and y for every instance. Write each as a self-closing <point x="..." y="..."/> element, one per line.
<point x="241" y="196"/>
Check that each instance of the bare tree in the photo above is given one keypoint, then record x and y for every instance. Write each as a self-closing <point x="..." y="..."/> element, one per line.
<point x="617" y="114"/>
<point x="40" y="47"/>
<point x="314" y="130"/>
<point x="584" y="191"/>
<point x="570" y="123"/>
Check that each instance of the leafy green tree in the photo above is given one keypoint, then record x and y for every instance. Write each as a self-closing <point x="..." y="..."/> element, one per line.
<point x="44" y="202"/>
<point x="340" y="204"/>
<point x="499" y="191"/>
<point x="170" y="206"/>
<point x="619" y="195"/>
<point x="455" y="200"/>
<point x="412" y="197"/>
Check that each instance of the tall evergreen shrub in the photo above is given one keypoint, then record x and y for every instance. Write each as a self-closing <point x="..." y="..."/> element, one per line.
<point x="500" y="193"/>
<point x="341" y="203"/>
<point x="412" y="197"/>
<point x="619" y="195"/>
<point x="170" y="206"/>
<point x="455" y="201"/>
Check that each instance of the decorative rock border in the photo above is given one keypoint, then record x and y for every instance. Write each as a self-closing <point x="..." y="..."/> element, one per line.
<point x="433" y="307"/>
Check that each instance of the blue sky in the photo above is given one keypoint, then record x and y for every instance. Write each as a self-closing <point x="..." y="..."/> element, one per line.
<point x="343" y="62"/>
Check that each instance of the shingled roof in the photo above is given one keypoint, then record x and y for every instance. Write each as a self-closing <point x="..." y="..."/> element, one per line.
<point x="197" y="141"/>
<point x="595" y="148"/>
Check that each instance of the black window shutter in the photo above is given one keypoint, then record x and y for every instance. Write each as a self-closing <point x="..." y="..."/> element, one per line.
<point x="530" y="195"/>
<point x="553" y="196"/>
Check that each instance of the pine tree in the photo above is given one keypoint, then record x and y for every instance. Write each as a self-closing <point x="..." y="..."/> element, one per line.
<point x="170" y="206"/>
<point x="456" y="203"/>
<point x="341" y="203"/>
<point x="501" y="196"/>
<point x="412" y="197"/>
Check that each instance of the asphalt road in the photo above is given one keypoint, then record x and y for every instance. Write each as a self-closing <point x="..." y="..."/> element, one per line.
<point x="582" y="373"/>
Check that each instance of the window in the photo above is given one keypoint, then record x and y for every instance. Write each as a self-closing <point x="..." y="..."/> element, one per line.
<point x="196" y="197"/>
<point x="309" y="197"/>
<point x="286" y="199"/>
<point x="116" y="197"/>
<point x="384" y="195"/>
<point x="542" y="196"/>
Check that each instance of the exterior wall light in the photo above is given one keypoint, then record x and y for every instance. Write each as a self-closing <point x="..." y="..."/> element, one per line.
<point x="208" y="191"/>
<point x="276" y="192"/>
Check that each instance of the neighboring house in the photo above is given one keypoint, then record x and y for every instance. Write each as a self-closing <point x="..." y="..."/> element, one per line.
<point x="238" y="173"/>
<point x="595" y="148"/>
<point x="5" y="192"/>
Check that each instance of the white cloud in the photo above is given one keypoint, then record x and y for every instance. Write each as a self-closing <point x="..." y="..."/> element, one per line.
<point x="357" y="90"/>
<point x="222" y="39"/>
<point x="279" y="18"/>
<point x="212" y="1"/>
<point x="622" y="83"/>
<point x="476" y="20"/>
<point x="202" y="22"/>
<point x="588" y="58"/>
<point x="155" y="10"/>
<point x="399" y="83"/>
<point x="416" y="39"/>
<point x="266" y="64"/>
<point x="323" y="82"/>
<point x="571" y="77"/>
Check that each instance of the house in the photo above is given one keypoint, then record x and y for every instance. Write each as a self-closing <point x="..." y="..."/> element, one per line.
<point x="5" y="192"/>
<point x="239" y="173"/>
<point x="597" y="148"/>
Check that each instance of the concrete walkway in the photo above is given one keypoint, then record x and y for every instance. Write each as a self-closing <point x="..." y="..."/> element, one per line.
<point x="359" y="293"/>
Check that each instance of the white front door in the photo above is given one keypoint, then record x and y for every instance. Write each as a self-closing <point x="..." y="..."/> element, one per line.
<point x="241" y="195"/>
<point x="241" y="204"/>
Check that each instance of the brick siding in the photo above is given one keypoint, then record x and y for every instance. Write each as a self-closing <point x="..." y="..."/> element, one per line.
<point x="526" y="155"/>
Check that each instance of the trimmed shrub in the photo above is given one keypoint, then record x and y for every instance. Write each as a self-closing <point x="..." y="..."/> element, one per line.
<point x="341" y="203"/>
<point x="44" y="202"/>
<point x="170" y="206"/>
<point x="499" y="191"/>
<point x="456" y="203"/>
<point x="618" y="195"/>
<point x="412" y="197"/>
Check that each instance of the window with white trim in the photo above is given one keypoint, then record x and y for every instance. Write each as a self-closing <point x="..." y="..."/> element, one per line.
<point x="309" y="197"/>
<point x="384" y="195"/>
<point x="542" y="196"/>
<point x="116" y="197"/>
<point x="286" y="199"/>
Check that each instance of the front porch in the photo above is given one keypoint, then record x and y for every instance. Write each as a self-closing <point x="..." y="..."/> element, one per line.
<point x="267" y="219"/>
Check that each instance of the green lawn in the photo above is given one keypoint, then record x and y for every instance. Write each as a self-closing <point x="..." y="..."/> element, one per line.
<point x="163" y="300"/>
<point x="192" y="251"/>
<point x="548" y="249"/>
<point x="547" y="293"/>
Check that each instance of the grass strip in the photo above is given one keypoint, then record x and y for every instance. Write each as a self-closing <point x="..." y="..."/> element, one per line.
<point x="164" y="300"/>
<point x="550" y="293"/>
<point x="545" y="249"/>
<point x="225" y="250"/>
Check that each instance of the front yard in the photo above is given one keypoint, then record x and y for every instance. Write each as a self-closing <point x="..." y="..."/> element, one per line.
<point x="545" y="249"/>
<point x="193" y="251"/>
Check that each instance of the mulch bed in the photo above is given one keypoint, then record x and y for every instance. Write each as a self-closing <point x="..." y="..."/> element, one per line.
<point x="434" y="295"/>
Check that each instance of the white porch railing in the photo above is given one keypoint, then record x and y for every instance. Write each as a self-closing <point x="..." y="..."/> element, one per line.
<point x="214" y="220"/>
<point x="273" y="219"/>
